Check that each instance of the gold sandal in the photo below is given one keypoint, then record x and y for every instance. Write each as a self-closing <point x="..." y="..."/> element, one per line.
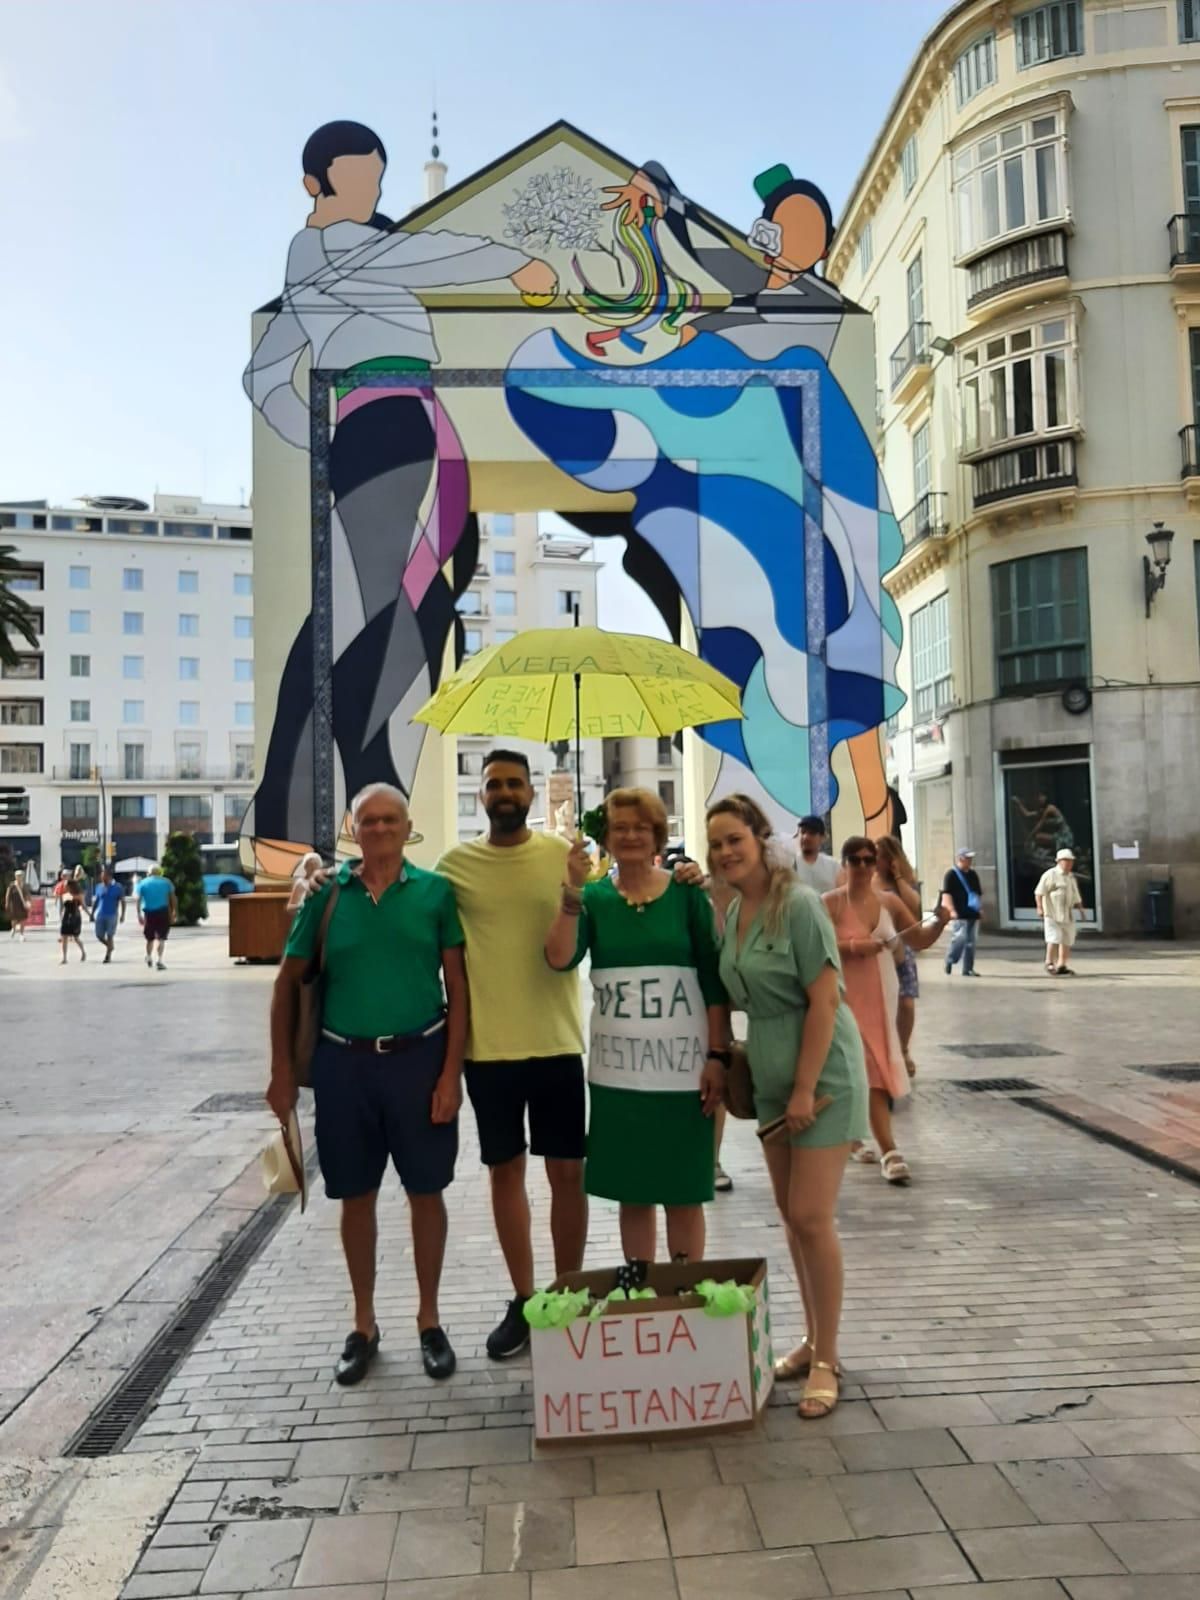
<point x="796" y="1365"/>
<point x="826" y="1398"/>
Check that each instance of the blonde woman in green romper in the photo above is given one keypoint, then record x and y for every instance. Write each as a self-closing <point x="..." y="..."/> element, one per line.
<point x="779" y="964"/>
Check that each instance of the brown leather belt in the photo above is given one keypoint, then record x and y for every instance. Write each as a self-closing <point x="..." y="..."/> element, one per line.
<point x="389" y="1044"/>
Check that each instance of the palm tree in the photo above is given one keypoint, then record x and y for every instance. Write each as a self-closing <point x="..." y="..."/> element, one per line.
<point x="16" y="615"/>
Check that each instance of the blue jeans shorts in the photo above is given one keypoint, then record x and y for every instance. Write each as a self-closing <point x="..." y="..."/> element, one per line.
<point x="372" y="1107"/>
<point x="106" y="928"/>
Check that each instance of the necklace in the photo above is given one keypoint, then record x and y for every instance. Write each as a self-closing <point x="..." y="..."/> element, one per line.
<point x="638" y="905"/>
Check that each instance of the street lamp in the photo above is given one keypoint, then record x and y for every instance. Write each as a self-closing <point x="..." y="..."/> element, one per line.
<point x="1154" y="566"/>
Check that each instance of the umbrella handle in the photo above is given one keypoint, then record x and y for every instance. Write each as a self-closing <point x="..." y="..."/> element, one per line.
<point x="578" y="748"/>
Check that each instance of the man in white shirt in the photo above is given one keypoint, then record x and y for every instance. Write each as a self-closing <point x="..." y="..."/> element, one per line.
<point x="814" y="867"/>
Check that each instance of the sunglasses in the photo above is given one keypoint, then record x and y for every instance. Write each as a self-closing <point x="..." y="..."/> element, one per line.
<point x="860" y="861"/>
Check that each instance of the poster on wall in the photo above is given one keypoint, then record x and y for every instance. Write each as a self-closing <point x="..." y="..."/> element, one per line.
<point x="1048" y="808"/>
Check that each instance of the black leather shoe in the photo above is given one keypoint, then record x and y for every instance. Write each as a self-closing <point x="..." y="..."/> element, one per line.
<point x="511" y="1334"/>
<point x="357" y="1355"/>
<point x="437" y="1353"/>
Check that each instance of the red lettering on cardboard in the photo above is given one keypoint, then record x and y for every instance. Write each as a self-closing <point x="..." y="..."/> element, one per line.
<point x="612" y="1417"/>
<point x="561" y="1411"/>
<point x="735" y="1397"/>
<point x="709" y="1391"/>
<point x="583" y="1413"/>
<point x="655" y="1404"/>
<point x="581" y="1348"/>
<point x="647" y="1348"/>
<point x="679" y="1332"/>
<point x="631" y="1395"/>
<point x="609" y="1342"/>
<point x="683" y="1400"/>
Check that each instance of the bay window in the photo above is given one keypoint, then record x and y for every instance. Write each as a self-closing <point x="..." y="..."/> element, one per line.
<point x="1011" y="180"/>
<point x="1017" y="384"/>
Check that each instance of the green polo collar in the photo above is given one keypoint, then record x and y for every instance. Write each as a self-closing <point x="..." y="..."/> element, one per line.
<point x="347" y="874"/>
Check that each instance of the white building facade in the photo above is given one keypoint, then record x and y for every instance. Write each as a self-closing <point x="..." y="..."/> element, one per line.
<point x="134" y="716"/>
<point x="1026" y="232"/>
<point x="526" y="576"/>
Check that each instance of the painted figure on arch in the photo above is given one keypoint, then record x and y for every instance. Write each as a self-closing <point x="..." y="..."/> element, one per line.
<point x="398" y="479"/>
<point x="753" y="480"/>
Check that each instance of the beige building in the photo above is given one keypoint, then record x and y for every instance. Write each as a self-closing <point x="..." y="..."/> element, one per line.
<point x="653" y="764"/>
<point x="1026" y="233"/>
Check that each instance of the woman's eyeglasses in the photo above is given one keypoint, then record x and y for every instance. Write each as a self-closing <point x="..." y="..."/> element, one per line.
<point x="860" y="861"/>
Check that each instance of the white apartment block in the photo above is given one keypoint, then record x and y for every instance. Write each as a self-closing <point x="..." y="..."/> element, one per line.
<point x="652" y="764"/>
<point x="526" y="576"/>
<point x="134" y="716"/>
<point x="1026" y="233"/>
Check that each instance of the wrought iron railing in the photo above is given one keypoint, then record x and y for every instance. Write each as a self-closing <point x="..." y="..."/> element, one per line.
<point x="1014" y="265"/>
<point x="926" y="520"/>
<point x="912" y="351"/>
<point x="1183" y="231"/>
<point x="1025" y="469"/>
<point x="1189" y="448"/>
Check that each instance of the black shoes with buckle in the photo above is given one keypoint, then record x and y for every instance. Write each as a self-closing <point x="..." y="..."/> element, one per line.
<point x="437" y="1354"/>
<point x="511" y="1335"/>
<point x="357" y="1355"/>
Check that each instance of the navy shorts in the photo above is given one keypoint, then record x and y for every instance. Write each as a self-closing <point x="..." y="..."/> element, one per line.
<point x="370" y="1107"/>
<point x="551" y="1088"/>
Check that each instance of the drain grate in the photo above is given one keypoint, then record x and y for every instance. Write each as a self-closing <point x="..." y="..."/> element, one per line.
<point x="999" y="1052"/>
<point x="121" y="1412"/>
<point x="251" y="1100"/>
<point x="1172" y="1071"/>
<point x="996" y="1085"/>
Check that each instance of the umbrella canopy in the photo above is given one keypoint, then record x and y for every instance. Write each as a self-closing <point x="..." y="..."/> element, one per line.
<point x="134" y="864"/>
<point x="563" y="683"/>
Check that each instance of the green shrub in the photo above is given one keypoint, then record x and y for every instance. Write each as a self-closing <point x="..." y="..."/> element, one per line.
<point x="182" y="863"/>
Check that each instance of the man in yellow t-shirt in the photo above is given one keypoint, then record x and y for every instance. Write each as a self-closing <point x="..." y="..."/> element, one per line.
<point x="524" y="1049"/>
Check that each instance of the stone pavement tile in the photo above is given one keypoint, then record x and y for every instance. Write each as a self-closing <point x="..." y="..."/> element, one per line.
<point x="975" y="1496"/>
<point x="490" y="1586"/>
<point x="341" y="1458"/>
<point x="189" y="1511"/>
<point x="916" y="1447"/>
<point x="268" y="1499"/>
<point x="177" y="1534"/>
<point x="1154" y="1546"/>
<point x="872" y="1565"/>
<point x="338" y="1591"/>
<point x="1061" y="1491"/>
<point x="674" y="1469"/>
<point x="529" y="1536"/>
<point x="619" y="1527"/>
<point x="1007" y="1589"/>
<point x="477" y="1448"/>
<point x="1048" y="1405"/>
<point x="1154" y="1400"/>
<point x="348" y="1550"/>
<point x="1135" y="1588"/>
<point x="406" y="1491"/>
<point x="632" y="1580"/>
<point x="852" y="1416"/>
<point x="882" y="1504"/>
<point x="176" y="1558"/>
<point x="1149" y="1488"/>
<point x="438" y="1544"/>
<point x="756" y="1463"/>
<point x="531" y="1480"/>
<point x="938" y="1411"/>
<point x="256" y="1555"/>
<point x="155" y="1586"/>
<point x="765" y="1574"/>
<point x="1149" y="1436"/>
<point x="798" y="1513"/>
<point x="1022" y="1441"/>
<point x="709" y="1522"/>
<point x="1050" y="1552"/>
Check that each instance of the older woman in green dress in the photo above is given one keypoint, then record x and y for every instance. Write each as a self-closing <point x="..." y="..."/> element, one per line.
<point x="659" y="1027"/>
<point x="779" y="964"/>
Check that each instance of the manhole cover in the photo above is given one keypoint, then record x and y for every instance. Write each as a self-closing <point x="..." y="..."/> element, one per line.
<point x="1173" y="1071"/>
<point x="247" y="1101"/>
<point x="996" y="1085"/>
<point x="998" y="1052"/>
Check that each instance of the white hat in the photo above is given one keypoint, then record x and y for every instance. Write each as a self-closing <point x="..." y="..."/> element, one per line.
<point x="1065" y="855"/>
<point x="283" y="1162"/>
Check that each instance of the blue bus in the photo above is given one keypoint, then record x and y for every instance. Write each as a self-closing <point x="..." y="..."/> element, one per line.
<point x="223" y="875"/>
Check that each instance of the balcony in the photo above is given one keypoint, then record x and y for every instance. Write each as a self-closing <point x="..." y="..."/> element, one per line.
<point x="1016" y="266"/>
<point x="911" y="362"/>
<point x="177" y="772"/>
<point x="1183" y="234"/>
<point x="926" y="520"/>
<point x="1027" y="469"/>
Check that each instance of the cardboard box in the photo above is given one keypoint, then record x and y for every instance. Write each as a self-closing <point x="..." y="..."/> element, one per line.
<point x="655" y="1366"/>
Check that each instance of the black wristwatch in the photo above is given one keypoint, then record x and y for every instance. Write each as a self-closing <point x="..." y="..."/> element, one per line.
<point x="725" y="1057"/>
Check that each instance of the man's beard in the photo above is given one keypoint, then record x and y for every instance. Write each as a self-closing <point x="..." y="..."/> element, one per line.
<point x="508" y="817"/>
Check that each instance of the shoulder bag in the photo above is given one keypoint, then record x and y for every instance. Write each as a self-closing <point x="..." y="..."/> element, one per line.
<point x="310" y="1002"/>
<point x="739" y="1086"/>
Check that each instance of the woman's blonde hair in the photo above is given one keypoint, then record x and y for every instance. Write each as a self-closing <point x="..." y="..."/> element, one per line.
<point x="889" y="853"/>
<point x="781" y="873"/>
<point x="648" y="807"/>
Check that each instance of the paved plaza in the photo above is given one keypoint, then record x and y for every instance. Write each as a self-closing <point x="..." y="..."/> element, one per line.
<point x="1022" y="1331"/>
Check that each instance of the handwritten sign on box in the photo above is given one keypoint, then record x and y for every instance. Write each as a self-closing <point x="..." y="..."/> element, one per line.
<point x="654" y="1366"/>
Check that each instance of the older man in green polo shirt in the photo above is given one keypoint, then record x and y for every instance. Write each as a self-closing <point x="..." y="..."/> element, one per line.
<point x="388" y="1069"/>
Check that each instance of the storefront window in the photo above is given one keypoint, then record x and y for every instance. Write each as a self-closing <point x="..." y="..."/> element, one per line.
<point x="1048" y="808"/>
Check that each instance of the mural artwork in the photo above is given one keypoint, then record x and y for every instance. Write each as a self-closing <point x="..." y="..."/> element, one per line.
<point x="678" y="388"/>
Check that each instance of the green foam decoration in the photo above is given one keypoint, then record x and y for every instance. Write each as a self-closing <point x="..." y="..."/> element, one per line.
<point x="725" y="1299"/>
<point x="551" y="1309"/>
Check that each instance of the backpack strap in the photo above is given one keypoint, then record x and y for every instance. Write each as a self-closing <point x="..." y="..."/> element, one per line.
<point x="318" y="955"/>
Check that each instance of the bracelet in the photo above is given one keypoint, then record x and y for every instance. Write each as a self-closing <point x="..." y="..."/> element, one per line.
<point x="571" y="907"/>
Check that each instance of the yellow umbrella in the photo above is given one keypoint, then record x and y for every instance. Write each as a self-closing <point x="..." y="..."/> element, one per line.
<point x="562" y="683"/>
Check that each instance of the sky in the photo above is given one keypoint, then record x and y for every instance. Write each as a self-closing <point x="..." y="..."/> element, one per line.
<point x="151" y="178"/>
